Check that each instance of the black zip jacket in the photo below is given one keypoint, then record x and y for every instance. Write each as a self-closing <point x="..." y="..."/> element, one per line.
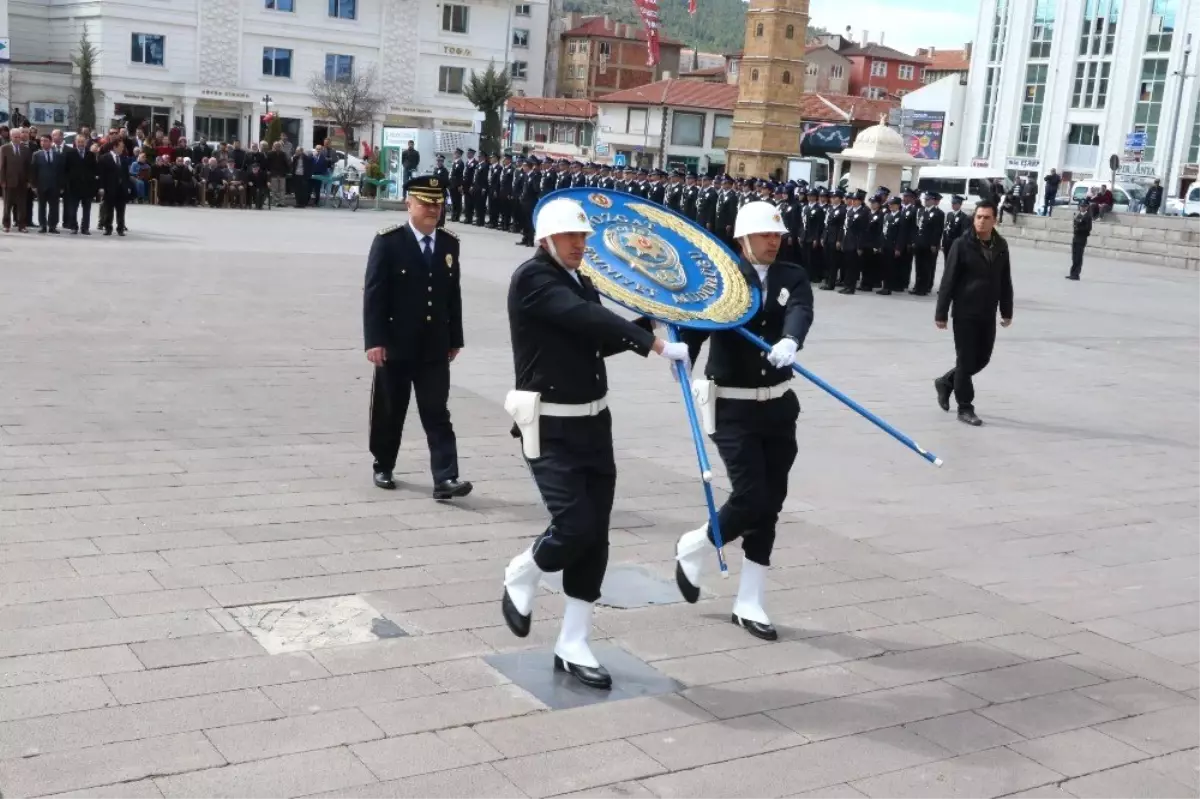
<point x="972" y="285"/>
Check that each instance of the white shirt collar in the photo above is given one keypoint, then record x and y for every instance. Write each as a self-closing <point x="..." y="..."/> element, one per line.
<point x="421" y="236"/>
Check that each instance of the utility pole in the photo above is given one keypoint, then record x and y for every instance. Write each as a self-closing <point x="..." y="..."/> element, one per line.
<point x="1183" y="75"/>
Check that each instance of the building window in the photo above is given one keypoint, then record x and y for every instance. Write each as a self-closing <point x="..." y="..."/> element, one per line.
<point x="835" y="71"/>
<point x="339" y="68"/>
<point x="522" y="10"/>
<point x="1099" y="30"/>
<point x="277" y="62"/>
<point x="1194" y="147"/>
<point x="811" y="69"/>
<point x="454" y="18"/>
<point x="722" y="128"/>
<point x="1162" y="26"/>
<point x="149" y="48"/>
<point x="926" y="76"/>
<point x="539" y="132"/>
<point x="906" y="71"/>
<point x="604" y="48"/>
<point x="999" y="34"/>
<point x="216" y="129"/>
<point x="520" y="37"/>
<point x="519" y="70"/>
<point x="1031" y="109"/>
<point x="754" y="75"/>
<point x="878" y="69"/>
<point x="342" y="9"/>
<point x="1043" y="30"/>
<point x="1085" y="135"/>
<point x="450" y="80"/>
<point x="687" y="130"/>
<point x="1149" y="102"/>
<point x="281" y="5"/>
<point x="787" y="77"/>
<point x="571" y="47"/>
<point x="875" y="92"/>
<point x="565" y="132"/>
<point x="1091" y="84"/>
<point x="758" y="30"/>
<point x="901" y="92"/>
<point x="789" y="32"/>
<point x="636" y="121"/>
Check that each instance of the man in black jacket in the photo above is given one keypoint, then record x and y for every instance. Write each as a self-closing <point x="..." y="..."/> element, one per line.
<point x="82" y="183"/>
<point x="531" y="192"/>
<point x="1082" y="228"/>
<point x="1154" y="197"/>
<point x="412" y="336"/>
<point x="479" y="190"/>
<point x="977" y="281"/>
<point x="1050" y="193"/>
<point x="49" y="176"/>
<point x="750" y="413"/>
<point x="560" y="336"/>
<point x="410" y="158"/>
<point x="114" y="183"/>
<point x="931" y="224"/>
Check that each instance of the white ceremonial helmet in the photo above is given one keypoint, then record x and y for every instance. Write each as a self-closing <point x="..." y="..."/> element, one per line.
<point x="758" y="217"/>
<point x="561" y="216"/>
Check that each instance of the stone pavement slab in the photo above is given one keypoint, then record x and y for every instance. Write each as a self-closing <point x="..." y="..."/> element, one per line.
<point x="183" y="432"/>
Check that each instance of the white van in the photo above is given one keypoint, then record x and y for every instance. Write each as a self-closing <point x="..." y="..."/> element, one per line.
<point x="971" y="182"/>
<point x="1124" y="194"/>
<point x="1191" y="203"/>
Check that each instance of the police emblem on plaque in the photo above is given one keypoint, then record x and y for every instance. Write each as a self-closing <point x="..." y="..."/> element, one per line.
<point x="658" y="263"/>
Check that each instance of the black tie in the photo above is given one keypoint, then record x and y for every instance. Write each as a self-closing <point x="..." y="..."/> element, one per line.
<point x="428" y="245"/>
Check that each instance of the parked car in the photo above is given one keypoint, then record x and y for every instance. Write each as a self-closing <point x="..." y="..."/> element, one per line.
<point x="1126" y="196"/>
<point x="1191" y="203"/>
<point x="967" y="181"/>
<point x="1172" y="206"/>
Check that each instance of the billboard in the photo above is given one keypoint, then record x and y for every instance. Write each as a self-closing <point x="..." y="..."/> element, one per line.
<point x="922" y="131"/>
<point x="819" y="138"/>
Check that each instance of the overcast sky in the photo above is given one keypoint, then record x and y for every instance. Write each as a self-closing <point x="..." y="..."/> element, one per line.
<point x="906" y="24"/>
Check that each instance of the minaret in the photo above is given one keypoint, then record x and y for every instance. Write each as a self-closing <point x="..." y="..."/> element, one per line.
<point x="766" y="119"/>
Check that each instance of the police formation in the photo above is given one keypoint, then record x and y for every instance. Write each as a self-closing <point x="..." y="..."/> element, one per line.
<point x="844" y="240"/>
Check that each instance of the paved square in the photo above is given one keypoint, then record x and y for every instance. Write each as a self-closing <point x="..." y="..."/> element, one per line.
<point x="183" y="433"/>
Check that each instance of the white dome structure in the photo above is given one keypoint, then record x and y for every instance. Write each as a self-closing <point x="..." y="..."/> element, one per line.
<point x="878" y="157"/>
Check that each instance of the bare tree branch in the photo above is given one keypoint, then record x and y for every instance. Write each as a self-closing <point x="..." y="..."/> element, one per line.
<point x="347" y="103"/>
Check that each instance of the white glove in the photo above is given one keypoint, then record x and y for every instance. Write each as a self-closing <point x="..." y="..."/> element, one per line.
<point x="783" y="353"/>
<point x="675" y="351"/>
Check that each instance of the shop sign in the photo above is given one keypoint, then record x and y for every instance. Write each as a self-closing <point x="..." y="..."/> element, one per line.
<point x="449" y="49"/>
<point x="979" y="162"/>
<point x="146" y="97"/>
<point x="454" y="124"/>
<point x="225" y="94"/>
<point x="1137" y="169"/>
<point x="410" y="110"/>
<point x="1019" y="163"/>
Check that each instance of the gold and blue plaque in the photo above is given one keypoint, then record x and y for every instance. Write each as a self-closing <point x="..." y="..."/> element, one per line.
<point x="658" y="263"/>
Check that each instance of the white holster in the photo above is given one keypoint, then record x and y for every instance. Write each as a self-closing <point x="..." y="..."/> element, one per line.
<point x="705" y="394"/>
<point x="525" y="408"/>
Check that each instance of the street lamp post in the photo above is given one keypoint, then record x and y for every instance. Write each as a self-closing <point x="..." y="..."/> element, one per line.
<point x="266" y="101"/>
<point x="1174" y="127"/>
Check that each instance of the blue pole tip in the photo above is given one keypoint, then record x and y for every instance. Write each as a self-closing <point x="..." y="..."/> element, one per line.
<point x="707" y="477"/>
<point x="937" y="461"/>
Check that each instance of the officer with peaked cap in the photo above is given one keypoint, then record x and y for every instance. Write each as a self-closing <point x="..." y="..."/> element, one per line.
<point x="831" y="245"/>
<point x="890" y="247"/>
<point x="814" y="232"/>
<point x="957" y="223"/>
<point x="443" y="176"/>
<point x="726" y="214"/>
<point x="468" y="186"/>
<point x="531" y="192"/>
<point x="691" y="194"/>
<point x="872" y="258"/>
<point x="855" y="238"/>
<point x="457" y="171"/>
<point x="560" y="336"/>
<point x="750" y="413"/>
<point x="908" y="239"/>
<point x="931" y="223"/>
<point x="412" y="326"/>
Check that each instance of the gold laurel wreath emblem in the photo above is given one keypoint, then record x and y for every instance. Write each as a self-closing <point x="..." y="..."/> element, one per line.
<point x="729" y="307"/>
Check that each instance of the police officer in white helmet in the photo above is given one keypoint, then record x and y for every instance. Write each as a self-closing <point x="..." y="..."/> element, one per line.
<point x="560" y="336"/>
<point x="750" y="413"/>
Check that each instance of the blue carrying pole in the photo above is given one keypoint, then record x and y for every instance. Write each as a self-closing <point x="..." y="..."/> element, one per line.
<point x="854" y="406"/>
<point x="685" y="385"/>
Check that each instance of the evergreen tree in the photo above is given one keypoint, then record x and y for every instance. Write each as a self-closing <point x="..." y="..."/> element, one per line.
<point x="85" y="61"/>
<point x="274" y="129"/>
<point x="488" y="93"/>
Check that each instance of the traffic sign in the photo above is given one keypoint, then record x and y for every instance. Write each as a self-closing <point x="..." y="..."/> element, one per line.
<point x="619" y="159"/>
<point x="1135" y="140"/>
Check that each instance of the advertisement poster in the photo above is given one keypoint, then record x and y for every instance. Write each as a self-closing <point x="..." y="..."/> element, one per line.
<point x="922" y="131"/>
<point x="819" y="138"/>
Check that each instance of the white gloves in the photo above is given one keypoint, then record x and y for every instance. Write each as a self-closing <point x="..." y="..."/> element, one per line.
<point x="675" y="351"/>
<point x="783" y="353"/>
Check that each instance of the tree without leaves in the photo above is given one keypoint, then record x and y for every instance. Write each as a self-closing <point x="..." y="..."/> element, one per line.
<point x="84" y="61"/>
<point x="348" y="103"/>
<point x="488" y="92"/>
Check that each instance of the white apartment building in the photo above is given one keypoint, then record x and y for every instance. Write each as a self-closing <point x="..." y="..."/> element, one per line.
<point x="214" y="63"/>
<point x="1060" y="83"/>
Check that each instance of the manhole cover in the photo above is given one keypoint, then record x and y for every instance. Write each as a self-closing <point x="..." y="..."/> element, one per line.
<point x="627" y="586"/>
<point x="315" y="623"/>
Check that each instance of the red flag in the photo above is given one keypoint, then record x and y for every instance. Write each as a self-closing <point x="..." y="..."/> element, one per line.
<point x="691" y="6"/>
<point x="648" y="9"/>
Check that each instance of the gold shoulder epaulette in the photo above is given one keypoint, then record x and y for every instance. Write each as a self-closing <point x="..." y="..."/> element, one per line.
<point x="389" y="229"/>
<point x="449" y="233"/>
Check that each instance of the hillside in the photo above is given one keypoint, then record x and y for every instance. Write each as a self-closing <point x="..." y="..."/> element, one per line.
<point x="717" y="27"/>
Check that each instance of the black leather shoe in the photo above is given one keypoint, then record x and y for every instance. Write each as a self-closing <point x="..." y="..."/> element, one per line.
<point x="846" y="290"/>
<point x="592" y="678"/>
<point x="518" y="623"/>
<point x="825" y="287"/>
<point x="451" y="489"/>
<point x="944" y="390"/>
<point x="883" y="292"/>
<point x="759" y="630"/>
<point x="969" y="417"/>
<point x="384" y="480"/>
<point x="690" y="592"/>
<point x="1072" y="277"/>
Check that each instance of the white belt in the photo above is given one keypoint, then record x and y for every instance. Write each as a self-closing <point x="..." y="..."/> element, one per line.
<point x="593" y="408"/>
<point x="756" y="394"/>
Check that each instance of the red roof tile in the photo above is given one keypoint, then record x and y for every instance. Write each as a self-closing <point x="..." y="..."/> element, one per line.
<point x="599" y="27"/>
<point x="879" y="51"/>
<point x="708" y="72"/>
<point x="949" y="61"/>
<point x="552" y="107"/>
<point x="861" y="109"/>
<point x="681" y="93"/>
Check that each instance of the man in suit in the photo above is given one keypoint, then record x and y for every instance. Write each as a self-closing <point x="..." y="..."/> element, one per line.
<point x="14" y="179"/>
<point x="931" y="224"/>
<point x="412" y="325"/>
<point x="81" y="185"/>
<point x="753" y="415"/>
<point x="561" y="335"/>
<point x="48" y="178"/>
<point x="114" y="183"/>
